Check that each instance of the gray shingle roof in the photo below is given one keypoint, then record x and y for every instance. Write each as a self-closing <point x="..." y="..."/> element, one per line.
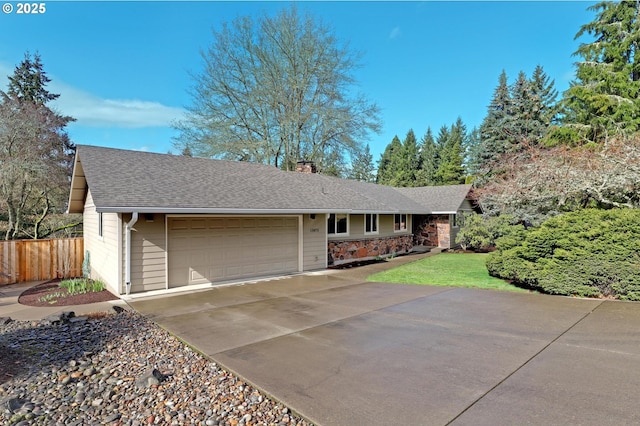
<point x="438" y="199"/>
<point x="126" y="181"/>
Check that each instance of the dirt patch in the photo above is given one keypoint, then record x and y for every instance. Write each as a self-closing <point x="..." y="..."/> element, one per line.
<point x="32" y="296"/>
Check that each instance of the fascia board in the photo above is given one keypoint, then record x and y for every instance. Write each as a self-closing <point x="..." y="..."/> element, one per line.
<point x="190" y="210"/>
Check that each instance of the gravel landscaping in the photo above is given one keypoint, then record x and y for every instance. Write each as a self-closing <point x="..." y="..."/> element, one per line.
<point x="119" y="369"/>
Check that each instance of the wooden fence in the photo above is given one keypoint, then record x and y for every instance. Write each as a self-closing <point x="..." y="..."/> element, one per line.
<point x="31" y="260"/>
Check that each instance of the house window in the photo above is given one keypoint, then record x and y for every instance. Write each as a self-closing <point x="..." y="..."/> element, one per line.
<point x="455" y="221"/>
<point x="338" y="224"/>
<point x="370" y="223"/>
<point x="100" y="225"/>
<point x="400" y="222"/>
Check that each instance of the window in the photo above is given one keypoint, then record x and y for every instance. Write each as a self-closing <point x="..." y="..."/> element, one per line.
<point x="100" y="225"/>
<point x="370" y="223"/>
<point x="455" y="221"/>
<point x="400" y="222"/>
<point x="338" y="224"/>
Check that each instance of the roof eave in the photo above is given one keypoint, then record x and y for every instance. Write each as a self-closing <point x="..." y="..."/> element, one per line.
<point x="240" y="211"/>
<point x="208" y="210"/>
<point x="75" y="203"/>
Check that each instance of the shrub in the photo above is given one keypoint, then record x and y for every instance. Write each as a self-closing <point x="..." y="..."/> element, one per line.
<point x="82" y="285"/>
<point x="589" y="253"/>
<point x="480" y="232"/>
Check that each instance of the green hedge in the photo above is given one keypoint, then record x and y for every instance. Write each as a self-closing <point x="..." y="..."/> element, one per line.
<point x="589" y="253"/>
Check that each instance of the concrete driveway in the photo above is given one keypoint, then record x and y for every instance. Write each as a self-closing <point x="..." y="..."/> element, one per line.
<point x="341" y="351"/>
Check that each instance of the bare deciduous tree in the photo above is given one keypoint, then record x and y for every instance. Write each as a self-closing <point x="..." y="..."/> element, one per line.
<point x="33" y="166"/>
<point x="276" y="90"/>
<point x="540" y="182"/>
<point x="35" y="156"/>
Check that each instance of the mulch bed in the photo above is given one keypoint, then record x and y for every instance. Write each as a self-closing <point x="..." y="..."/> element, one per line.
<point x="30" y="296"/>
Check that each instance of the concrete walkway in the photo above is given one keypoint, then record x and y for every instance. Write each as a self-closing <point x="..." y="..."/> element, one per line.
<point x="9" y="306"/>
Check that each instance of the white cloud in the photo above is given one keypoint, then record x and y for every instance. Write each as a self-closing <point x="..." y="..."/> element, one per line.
<point x="395" y="33"/>
<point x="93" y="111"/>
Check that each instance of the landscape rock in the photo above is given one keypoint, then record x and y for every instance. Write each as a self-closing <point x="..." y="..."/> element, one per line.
<point x="88" y="373"/>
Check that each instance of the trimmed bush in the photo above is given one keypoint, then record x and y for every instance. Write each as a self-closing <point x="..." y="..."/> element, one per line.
<point x="480" y="232"/>
<point x="589" y="253"/>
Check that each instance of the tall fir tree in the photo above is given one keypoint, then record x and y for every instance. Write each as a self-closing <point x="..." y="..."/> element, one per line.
<point x="390" y="163"/>
<point x="452" y="143"/>
<point x="520" y="126"/>
<point x="518" y="117"/>
<point x="429" y="160"/>
<point x="546" y="96"/>
<point x="410" y="162"/>
<point x="29" y="80"/>
<point x="362" y="167"/>
<point x="474" y="145"/>
<point x="604" y="100"/>
<point x="492" y="131"/>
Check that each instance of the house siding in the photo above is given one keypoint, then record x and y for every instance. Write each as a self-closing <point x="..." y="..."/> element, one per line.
<point x="314" y="239"/>
<point x="103" y="251"/>
<point x="148" y="253"/>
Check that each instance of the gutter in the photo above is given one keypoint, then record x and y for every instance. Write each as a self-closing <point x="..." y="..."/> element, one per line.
<point x="127" y="244"/>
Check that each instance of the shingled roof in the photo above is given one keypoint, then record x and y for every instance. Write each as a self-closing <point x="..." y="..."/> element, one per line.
<point x="127" y="181"/>
<point x="438" y="199"/>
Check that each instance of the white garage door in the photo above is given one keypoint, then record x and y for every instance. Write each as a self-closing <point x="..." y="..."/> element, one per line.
<point x="213" y="249"/>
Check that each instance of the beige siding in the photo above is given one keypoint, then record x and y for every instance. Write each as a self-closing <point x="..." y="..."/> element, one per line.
<point x="385" y="228"/>
<point x="148" y="253"/>
<point x="314" y="237"/>
<point x="103" y="251"/>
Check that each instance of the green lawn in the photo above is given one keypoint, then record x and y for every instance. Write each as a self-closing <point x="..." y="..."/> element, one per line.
<point x="446" y="269"/>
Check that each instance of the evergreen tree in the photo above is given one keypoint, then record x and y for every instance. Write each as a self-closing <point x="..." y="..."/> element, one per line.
<point x="518" y="117"/>
<point x="452" y="154"/>
<point x="603" y="99"/>
<point x="410" y="161"/>
<point x="545" y="95"/>
<point x="492" y="130"/>
<point x="474" y="145"/>
<point x="29" y="80"/>
<point x="520" y="126"/>
<point x="333" y="164"/>
<point x="429" y="160"/>
<point x="390" y="163"/>
<point x="362" y="167"/>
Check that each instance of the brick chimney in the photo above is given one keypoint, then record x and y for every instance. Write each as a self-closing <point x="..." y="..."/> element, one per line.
<point x="306" y="167"/>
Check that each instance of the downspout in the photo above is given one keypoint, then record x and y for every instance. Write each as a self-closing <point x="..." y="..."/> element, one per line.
<point x="127" y="252"/>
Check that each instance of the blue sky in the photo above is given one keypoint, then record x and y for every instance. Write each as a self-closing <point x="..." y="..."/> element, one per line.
<point x="122" y="68"/>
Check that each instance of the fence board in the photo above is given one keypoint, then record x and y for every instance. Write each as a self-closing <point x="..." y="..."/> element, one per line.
<point x="31" y="260"/>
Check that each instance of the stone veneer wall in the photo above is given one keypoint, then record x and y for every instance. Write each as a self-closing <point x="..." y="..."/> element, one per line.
<point x="433" y="231"/>
<point x="367" y="248"/>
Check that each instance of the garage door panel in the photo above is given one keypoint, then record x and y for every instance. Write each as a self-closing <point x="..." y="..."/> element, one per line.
<point x="198" y="276"/>
<point x="219" y="249"/>
<point x="215" y="223"/>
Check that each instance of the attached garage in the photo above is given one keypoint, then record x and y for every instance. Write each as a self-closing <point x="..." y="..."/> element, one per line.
<point x="216" y="249"/>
